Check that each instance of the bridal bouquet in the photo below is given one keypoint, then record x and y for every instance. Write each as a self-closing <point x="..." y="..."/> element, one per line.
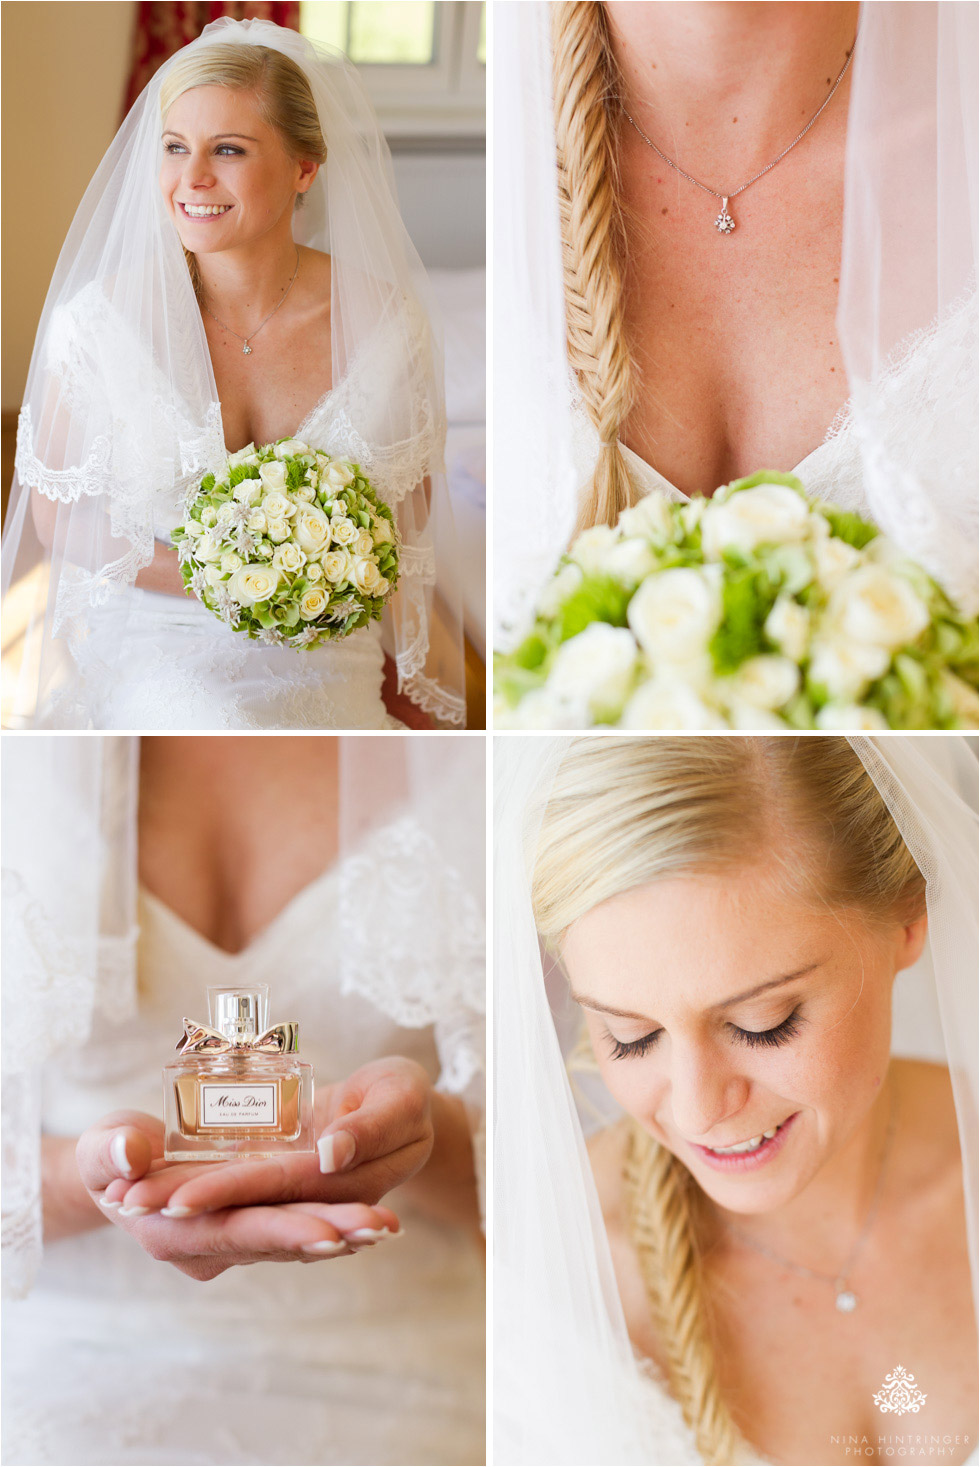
<point x="290" y="546"/>
<point x="756" y="609"/>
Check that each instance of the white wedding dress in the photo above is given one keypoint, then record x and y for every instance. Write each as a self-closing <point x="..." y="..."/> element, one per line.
<point x="150" y="660"/>
<point x="115" y="1358"/>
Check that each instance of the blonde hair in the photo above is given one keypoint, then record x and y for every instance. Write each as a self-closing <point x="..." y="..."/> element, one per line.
<point x="593" y="245"/>
<point x="280" y="85"/>
<point x="624" y="812"/>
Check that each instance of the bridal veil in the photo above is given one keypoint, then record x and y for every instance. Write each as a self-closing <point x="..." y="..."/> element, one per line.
<point x="121" y="414"/>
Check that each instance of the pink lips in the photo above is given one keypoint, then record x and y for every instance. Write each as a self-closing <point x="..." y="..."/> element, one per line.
<point x="746" y="1161"/>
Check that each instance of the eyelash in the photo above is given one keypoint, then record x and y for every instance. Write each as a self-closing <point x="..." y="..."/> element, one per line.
<point x="226" y="149"/>
<point x="754" y="1038"/>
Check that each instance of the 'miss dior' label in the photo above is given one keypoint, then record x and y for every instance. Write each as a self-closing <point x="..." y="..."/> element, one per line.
<point x="239" y="1105"/>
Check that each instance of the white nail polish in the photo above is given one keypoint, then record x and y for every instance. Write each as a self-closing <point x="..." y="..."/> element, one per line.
<point x="369" y="1235"/>
<point x="176" y="1211"/>
<point x="117" y="1153"/>
<point x="325" y="1147"/>
<point x="326" y="1247"/>
<point x="104" y="1202"/>
<point x="134" y="1211"/>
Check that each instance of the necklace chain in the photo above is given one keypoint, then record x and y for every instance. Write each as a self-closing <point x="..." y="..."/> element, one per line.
<point x="246" y="349"/>
<point x="846" y="1299"/>
<point x="725" y="223"/>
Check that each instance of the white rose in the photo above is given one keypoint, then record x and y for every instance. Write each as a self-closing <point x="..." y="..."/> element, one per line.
<point x="244" y="455"/>
<point x="213" y="575"/>
<point x="595" y="668"/>
<point x="304" y="494"/>
<point x="278" y="506"/>
<point x="591" y="548"/>
<point x="555" y="592"/>
<point x="312" y="529"/>
<point x="278" y="530"/>
<point x="651" y="519"/>
<point x="231" y="561"/>
<point x="338" y="474"/>
<point x="366" y="577"/>
<point x="673" y="615"/>
<point x="833" y="559"/>
<point x="290" y="447"/>
<point x="289" y="559"/>
<point x="208" y="547"/>
<point x="748" y="719"/>
<point x="263" y="550"/>
<point x="769" y="514"/>
<point x="314" y="571"/>
<point x="878" y="608"/>
<point x="312" y="603"/>
<point x="788" y="626"/>
<point x="845" y="668"/>
<point x="195" y="528"/>
<point x="541" y="709"/>
<point x="253" y="583"/>
<point x="850" y="716"/>
<point x="257" y="521"/>
<point x="764" y="682"/>
<point x="273" y="474"/>
<point x="225" y="514"/>
<point x="362" y="543"/>
<point x="966" y="705"/>
<point x="249" y="491"/>
<point x="630" y="561"/>
<point x="343" y="531"/>
<point x="209" y="517"/>
<point x="381" y="531"/>
<point x="322" y="460"/>
<point x="336" y="566"/>
<point x="668" y="702"/>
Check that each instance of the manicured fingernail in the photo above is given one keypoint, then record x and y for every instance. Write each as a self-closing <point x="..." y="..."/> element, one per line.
<point x="326" y="1247"/>
<point x="135" y="1211"/>
<point x="177" y="1211"/>
<point x="336" y="1151"/>
<point x="117" y="1151"/>
<point x="104" y="1202"/>
<point x="368" y="1235"/>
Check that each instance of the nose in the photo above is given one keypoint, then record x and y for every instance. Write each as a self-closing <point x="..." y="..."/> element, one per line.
<point x="704" y="1091"/>
<point x="197" y="171"/>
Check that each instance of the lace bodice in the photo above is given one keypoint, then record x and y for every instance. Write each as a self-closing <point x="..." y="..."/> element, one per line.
<point x="116" y="1358"/>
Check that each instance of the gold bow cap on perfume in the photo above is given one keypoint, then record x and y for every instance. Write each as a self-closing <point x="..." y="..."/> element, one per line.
<point x="240" y="1021"/>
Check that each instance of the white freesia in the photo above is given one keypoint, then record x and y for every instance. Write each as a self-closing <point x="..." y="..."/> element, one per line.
<point x="850" y="717"/>
<point x="343" y="531"/>
<point x="336" y="566"/>
<point x="231" y="561"/>
<point x="289" y="559"/>
<point x="630" y="561"/>
<point x="650" y="518"/>
<point x="277" y="505"/>
<point x="668" y="702"/>
<point x="277" y="531"/>
<point x="273" y="474"/>
<point x="764" y="682"/>
<point x="845" y="668"/>
<point x="595" y="668"/>
<point x="591" y="548"/>
<point x="312" y="530"/>
<point x="788" y="626"/>
<point x="312" y="603"/>
<point x="366" y="576"/>
<point x="556" y="592"/>
<point x="674" y="614"/>
<point x="253" y="583"/>
<point x="290" y="447"/>
<point x="878" y="608"/>
<point x="769" y="514"/>
<point x="338" y="474"/>
<point x="249" y="491"/>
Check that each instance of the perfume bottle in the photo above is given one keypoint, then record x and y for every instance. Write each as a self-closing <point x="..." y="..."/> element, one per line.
<point x="238" y="1088"/>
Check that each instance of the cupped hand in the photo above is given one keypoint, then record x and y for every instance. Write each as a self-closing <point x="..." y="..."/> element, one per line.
<point x="127" y="1146"/>
<point x="374" y="1132"/>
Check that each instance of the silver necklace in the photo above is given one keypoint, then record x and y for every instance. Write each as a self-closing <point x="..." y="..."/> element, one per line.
<point x="246" y="349"/>
<point x="725" y="223"/>
<point x="845" y="1298"/>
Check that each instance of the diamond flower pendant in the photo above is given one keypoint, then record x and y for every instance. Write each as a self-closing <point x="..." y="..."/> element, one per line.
<point x="846" y="1301"/>
<point x="724" y="223"/>
<point x="246" y="350"/>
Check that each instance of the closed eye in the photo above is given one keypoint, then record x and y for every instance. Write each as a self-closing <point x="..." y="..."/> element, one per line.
<point x="754" y="1038"/>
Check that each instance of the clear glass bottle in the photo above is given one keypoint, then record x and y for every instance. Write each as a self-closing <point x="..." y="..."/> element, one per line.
<point x="239" y="1088"/>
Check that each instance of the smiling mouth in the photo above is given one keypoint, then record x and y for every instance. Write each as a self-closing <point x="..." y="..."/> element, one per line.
<point x="203" y="211"/>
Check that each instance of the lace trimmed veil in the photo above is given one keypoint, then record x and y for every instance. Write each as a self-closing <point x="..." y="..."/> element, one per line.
<point x="908" y="271"/>
<point x="567" y="1386"/>
<point x="121" y="415"/>
<point x="410" y="938"/>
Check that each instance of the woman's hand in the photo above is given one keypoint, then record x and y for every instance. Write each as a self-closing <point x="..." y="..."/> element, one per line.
<point x="128" y="1145"/>
<point x="375" y="1131"/>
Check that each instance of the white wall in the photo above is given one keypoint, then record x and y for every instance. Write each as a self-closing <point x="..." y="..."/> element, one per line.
<point x="443" y="200"/>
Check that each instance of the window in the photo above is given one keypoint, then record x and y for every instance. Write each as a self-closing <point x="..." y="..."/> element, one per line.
<point x="423" y="61"/>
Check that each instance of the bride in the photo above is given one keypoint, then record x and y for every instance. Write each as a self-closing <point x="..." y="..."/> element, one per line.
<point x="759" y="255"/>
<point x="772" y="1229"/>
<point x="237" y="273"/>
<point x="345" y="875"/>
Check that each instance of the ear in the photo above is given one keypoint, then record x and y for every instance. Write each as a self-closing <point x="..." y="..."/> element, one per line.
<point x="308" y="170"/>
<point x="911" y="942"/>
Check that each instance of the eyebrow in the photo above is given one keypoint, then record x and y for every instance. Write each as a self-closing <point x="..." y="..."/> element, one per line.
<point x="168" y="132"/>
<point x="727" y="1003"/>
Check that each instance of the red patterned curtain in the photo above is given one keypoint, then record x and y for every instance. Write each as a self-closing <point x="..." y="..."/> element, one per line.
<point x="163" y="26"/>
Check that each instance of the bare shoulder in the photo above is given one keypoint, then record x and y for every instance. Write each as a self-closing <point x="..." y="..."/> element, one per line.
<point x="316" y="269"/>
